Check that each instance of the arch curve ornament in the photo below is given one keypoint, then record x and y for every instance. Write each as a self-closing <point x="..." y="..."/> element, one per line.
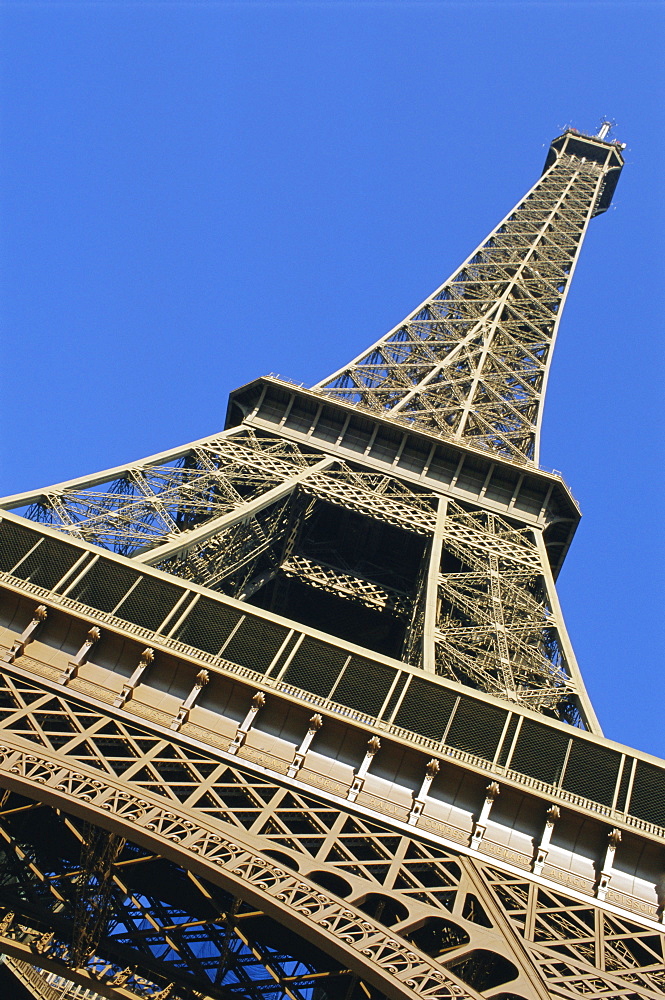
<point x="337" y="927"/>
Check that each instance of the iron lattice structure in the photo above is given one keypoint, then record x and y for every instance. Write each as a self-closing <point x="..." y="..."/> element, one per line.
<point x="472" y="360"/>
<point x="291" y="711"/>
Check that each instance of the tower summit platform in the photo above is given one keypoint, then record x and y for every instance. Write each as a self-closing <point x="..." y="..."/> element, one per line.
<point x="596" y="148"/>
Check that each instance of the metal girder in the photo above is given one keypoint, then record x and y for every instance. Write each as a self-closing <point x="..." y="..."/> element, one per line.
<point x="137" y="509"/>
<point x="347" y="585"/>
<point x="241" y="513"/>
<point x="490" y="618"/>
<point x="334" y="873"/>
<point x="379" y="497"/>
<point x="227" y="559"/>
<point x="472" y="360"/>
<point x="99" y="851"/>
<point x="495" y="627"/>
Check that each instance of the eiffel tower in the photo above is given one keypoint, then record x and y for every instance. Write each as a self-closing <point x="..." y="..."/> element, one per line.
<point x="291" y="711"/>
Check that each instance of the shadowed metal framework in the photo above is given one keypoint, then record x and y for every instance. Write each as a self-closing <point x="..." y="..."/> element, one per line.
<point x="291" y="711"/>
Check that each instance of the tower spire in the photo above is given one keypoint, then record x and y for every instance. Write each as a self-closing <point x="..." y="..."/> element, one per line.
<point x="471" y="361"/>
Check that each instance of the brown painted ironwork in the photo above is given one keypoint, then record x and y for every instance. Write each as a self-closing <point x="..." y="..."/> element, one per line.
<point x="291" y="711"/>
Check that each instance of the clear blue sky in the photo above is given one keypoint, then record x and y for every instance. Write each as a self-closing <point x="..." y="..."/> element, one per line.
<point x="194" y="194"/>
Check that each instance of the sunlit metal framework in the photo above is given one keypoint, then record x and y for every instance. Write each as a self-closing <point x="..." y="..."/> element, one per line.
<point x="472" y="360"/>
<point x="176" y="821"/>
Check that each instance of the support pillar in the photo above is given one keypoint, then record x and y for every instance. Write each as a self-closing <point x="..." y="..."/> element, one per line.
<point x="72" y="668"/>
<point x="552" y="814"/>
<point x="315" y="724"/>
<point x="373" y="746"/>
<point x="480" y="827"/>
<point x="202" y="679"/>
<point x="146" y="658"/>
<point x="39" y="616"/>
<point x="613" y="841"/>
<point x="431" y="770"/>
<point x="258" y="701"/>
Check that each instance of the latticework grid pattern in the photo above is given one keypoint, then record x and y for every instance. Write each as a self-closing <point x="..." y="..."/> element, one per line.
<point x="471" y="362"/>
<point x="496" y="934"/>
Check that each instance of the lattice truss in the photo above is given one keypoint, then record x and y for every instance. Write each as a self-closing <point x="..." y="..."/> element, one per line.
<point x="495" y="627"/>
<point x="140" y="507"/>
<point x="471" y="362"/>
<point x="137" y="507"/>
<point x="110" y="911"/>
<point x="244" y="510"/>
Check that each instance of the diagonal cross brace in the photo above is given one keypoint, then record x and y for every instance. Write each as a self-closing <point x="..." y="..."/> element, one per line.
<point x="242" y="512"/>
